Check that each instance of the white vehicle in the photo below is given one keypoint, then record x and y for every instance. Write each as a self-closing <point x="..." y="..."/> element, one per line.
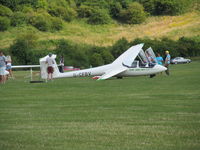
<point x="179" y="60"/>
<point x="124" y="66"/>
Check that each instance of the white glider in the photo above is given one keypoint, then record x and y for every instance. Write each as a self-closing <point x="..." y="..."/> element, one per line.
<point x="124" y="66"/>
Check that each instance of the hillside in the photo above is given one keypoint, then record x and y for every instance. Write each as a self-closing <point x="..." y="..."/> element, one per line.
<point x="78" y="31"/>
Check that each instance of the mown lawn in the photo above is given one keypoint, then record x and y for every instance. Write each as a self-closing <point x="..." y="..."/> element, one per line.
<point x="138" y="113"/>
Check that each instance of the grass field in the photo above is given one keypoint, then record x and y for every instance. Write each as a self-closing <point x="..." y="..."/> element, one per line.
<point x="138" y="113"/>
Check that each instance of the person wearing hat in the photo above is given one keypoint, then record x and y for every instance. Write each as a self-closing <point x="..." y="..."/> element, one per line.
<point x="167" y="61"/>
<point x="50" y="63"/>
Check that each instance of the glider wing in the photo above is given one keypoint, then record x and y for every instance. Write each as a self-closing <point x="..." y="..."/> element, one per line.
<point x="113" y="72"/>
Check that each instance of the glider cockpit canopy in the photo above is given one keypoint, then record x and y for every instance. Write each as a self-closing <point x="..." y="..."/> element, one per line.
<point x="145" y="59"/>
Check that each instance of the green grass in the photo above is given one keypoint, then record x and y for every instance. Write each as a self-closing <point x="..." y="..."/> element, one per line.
<point x="162" y="113"/>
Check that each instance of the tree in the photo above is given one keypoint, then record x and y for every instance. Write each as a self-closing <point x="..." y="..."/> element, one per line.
<point x="21" y="49"/>
<point x="85" y="11"/>
<point x="96" y="60"/>
<point x="18" y="18"/>
<point x="99" y="16"/>
<point x="149" y="6"/>
<point x="5" y="11"/>
<point x="119" y="47"/>
<point x="4" y="23"/>
<point x="41" y="21"/>
<point x="107" y="56"/>
<point x="115" y="9"/>
<point x="134" y="14"/>
<point x="171" y="7"/>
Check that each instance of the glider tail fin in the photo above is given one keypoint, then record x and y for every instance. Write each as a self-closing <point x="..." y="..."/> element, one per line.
<point x="43" y="68"/>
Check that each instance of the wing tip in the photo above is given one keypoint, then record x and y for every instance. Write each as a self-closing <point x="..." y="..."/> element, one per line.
<point x="100" y="79"/>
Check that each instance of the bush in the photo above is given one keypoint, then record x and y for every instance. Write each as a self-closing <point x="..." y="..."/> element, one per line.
<point x="99" y="16"/>
<point x="84" y="11"/>
<point x="41" y="21"/>
<point x="5" y="11"/>
<point x="4" y="23"/>
<point x="56" y="24"/>
<point x="18" y="18"/>
<point x="22" y="48"/>
<point x="73" y="54"/>
<point x="135" y="14"/>
<point x="24" y="8"/>
<point x="96" y="60"/>
<point x="66" y="13"/>
<point x="115" y="9"/>
<point x="189" y="46"/>
<point x="149" y="6"/>
<point x="41" y="4"/>
<point x="107" y="56"/>
<point x="171" y="7"/>
<point x="119" y="47"/>
<point x="70" y="14"/>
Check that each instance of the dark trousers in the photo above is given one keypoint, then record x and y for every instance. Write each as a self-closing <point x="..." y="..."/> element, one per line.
<point x="61" y="69"/>
<point x="167" y="71"/>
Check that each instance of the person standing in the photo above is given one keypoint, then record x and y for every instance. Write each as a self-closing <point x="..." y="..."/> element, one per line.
<point x="2" y="68"/>
<point x="167" y="62"/>
<point x="61" y="67"/>
<point x="159" y="59"/>
<point x="9" y="66"/>
<point x="50" y="70"/>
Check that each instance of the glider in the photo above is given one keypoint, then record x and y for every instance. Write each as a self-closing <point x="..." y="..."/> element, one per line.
<point x="124" y="66"/>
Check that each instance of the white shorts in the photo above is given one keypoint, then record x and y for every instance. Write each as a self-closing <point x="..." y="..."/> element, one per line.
<point x="2" y="71"/>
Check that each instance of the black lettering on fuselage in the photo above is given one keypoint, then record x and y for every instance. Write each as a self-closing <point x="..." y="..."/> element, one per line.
<point x="82" y="74"/>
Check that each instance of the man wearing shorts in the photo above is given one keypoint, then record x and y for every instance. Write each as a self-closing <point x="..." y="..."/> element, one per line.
<point x="2" y="68"/>
<point x="9" y="66"/>
<point x="50" y="63"/>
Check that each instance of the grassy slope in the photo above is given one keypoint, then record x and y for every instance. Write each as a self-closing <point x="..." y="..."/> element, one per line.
<point x="78" y="31"/>
<point x="82" y="114"/>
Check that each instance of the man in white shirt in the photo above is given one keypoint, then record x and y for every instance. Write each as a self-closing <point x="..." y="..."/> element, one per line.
<point x="50" y="63"/>
<point x="2" y="68"/>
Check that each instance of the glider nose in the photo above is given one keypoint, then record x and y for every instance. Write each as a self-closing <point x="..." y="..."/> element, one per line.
<point x="161" y="68"/>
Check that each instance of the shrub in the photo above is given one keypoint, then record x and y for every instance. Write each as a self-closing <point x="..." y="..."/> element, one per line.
<point x="18" y="18"/>
<point x="171" y="7"/>
<point x="66" y="13"/>
<point x="134" y="14"/>
<point x="21" y="49"/>
<point x="73" y="54"/>
<point x="96" y="60"/>
<point x="84" y="11"/>
<point x="119" y="47"/>
<point x="40" y="21"/>
<point x="4" y="23"/>
<point x="70" y="14"/>
<point x="189" y="46"/>
<point x="5" y="11"/>
<point x="24" y="8"/>
<point x="56" y="23"/>
<point x="41" y="4"/>
<point x="107" y="56"/>
<point x="149" y="6"/>
<point x="115" y="9"/>
<point x="99" y="16"/>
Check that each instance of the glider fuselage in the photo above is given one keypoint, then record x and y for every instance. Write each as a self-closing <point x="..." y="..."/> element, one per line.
<point x="98" y="71"/>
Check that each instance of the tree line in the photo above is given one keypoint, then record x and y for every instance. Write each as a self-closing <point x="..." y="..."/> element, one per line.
<point x="26" y="50"/>
<point x="48" y="15"/>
